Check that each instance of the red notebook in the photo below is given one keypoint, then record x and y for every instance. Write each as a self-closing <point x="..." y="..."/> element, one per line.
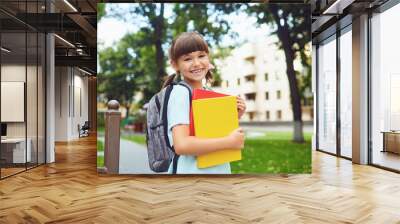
<point x="201" y="94"/>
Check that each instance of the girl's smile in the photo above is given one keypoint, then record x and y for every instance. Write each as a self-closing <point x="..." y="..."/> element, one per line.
<point x="197" y="71"/>
<point x="193" y="66"/>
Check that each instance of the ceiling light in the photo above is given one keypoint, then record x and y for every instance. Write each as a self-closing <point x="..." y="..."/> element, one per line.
<point x="70" y="5"/>
<point x="331" y="7"/>
<point x="86" y="72"/>
<point x="64" y="40"/>
<point x="337" y="7"/>
<point x="5" y="49"/>
<point x="79" y="51"/>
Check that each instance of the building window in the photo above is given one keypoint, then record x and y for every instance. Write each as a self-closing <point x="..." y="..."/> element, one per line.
<point x="238" y="82"/>
<point x="266" y="76"/>
<point x="278" y="94"/>
<point x="345" y="94"/>
<point x="327" y="95"/>
<point x="266" y="95"/>
<point x="385" y="88"/>
<point x="251" y="116"/>
<point x="279" y="115"/>
<point x="250" y="96"/>
<point x="267" y="115"/>
<point x="250" y="78"/>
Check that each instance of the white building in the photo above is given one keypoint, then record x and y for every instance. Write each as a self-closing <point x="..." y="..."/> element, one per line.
<point x="257" y="72"/>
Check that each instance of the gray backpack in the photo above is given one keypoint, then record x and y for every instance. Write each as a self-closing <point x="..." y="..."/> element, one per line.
<point x="159" y="149"/>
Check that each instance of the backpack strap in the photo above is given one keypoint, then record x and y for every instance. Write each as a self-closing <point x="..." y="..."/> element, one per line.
<point x="176" y="156"/>
<point x="165" y="106"/>
<point x="175" y="163"/>
<point x="165" y="125"/>
<point x="164" y="115"/>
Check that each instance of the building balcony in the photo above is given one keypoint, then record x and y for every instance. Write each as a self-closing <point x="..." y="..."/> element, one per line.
<point x="250" y="105"/>
<point x="248" y="69"/>
<point x="248" y="87"/>
<point x="248" y="51"/>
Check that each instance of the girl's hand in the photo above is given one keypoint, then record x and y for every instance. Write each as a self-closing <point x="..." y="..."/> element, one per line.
<point x="241" y="106"/>
<point x="236" y="138"/>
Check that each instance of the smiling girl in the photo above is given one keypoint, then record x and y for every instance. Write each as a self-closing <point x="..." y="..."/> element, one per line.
<point x="189" y="56"/>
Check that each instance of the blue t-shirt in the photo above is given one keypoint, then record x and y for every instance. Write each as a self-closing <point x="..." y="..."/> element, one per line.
<point x="178" y="113"/>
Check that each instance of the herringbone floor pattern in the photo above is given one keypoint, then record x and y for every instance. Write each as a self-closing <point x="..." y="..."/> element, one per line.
<point x="71" y="191"/>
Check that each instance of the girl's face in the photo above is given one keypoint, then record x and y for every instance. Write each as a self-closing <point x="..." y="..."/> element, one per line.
<point x="193" y="66"/>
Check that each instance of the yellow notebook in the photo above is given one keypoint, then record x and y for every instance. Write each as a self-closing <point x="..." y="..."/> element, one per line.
<point x="215" y="118"/>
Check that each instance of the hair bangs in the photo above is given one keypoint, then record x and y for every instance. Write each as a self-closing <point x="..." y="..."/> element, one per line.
<point x="187" y="44"/>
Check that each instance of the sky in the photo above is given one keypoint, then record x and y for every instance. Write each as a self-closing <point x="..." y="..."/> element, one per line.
<point x="110" y="30"/>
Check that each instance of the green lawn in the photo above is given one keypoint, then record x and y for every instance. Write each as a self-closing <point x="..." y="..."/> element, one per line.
<point x="272" y="153"/>
<point x="100" y="159"/>
<point x="100" y="129"/>
<point x="282" y="135"/>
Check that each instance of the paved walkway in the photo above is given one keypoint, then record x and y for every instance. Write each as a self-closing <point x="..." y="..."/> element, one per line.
<point x="132" y="158"/>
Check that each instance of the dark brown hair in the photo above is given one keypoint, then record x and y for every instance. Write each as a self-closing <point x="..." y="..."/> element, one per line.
<point x="186" y="43"/>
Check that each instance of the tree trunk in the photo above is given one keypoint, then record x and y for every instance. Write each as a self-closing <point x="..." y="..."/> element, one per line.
<point x="127" y="107"/>
<point x="294" y="97"/>
<point x="283" y="34"/>
<point x="159" y="27"/>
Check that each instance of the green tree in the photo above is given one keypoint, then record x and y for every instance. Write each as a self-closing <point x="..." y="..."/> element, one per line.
<point x="157" y="29"/>
<point x="143" y="54"/>
<point x="118" y="78"/>
<point x="101" y="11"/>
<point x="195" y="17"/>
<point x="152" y="31"/>
<point x="292" y="26"/>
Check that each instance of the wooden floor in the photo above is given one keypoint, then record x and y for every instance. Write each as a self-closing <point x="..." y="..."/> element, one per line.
<point x="10" y="171"/>
<point x="387" y="159"/>
<point x="70" y="191"/>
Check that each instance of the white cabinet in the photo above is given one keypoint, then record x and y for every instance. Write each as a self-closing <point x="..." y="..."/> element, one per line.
<point x="17" y="146"/>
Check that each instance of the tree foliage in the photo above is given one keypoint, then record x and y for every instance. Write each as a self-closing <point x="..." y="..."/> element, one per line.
<point x="156" y="28"/>
<point x="118" y="78"/>
<point x="101" y="11"/>
<point x="292" y="25"/>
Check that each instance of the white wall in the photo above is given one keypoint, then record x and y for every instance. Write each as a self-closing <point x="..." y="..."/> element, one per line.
<point x="61" y="103"/>
<point x="80" y="109"/>
<point x="71" y="102"/>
